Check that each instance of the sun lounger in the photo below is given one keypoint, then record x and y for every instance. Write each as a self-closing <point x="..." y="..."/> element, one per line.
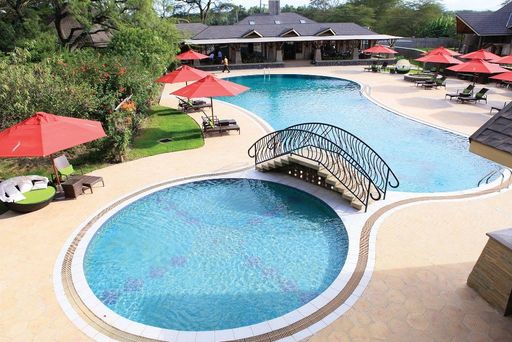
<point x="192" y="106"/>
<point x="214" y="125"/>
<point x="468" y="91"/>
<point x="480" y="96"/>
<point x="26" y="193"/>
<point x="497" y="108"/>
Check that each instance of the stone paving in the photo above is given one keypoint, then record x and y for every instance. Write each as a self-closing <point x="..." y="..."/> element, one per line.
<point x="424" y="252"/>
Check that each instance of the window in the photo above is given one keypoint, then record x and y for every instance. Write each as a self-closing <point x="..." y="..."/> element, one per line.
<point x="302" y="21"/>
<point x="251" y="22"/>
<point x="277" y="22"/>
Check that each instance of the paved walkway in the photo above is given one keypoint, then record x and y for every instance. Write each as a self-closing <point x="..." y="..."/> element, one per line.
<point x="417" y="290"/>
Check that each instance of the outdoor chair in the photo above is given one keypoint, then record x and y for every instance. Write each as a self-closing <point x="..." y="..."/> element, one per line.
<point x="467" y="92"/>
<point x="480" y="96"/>
<point x="192" y="106"/>
<point x="497" y="108"/>
<point x="383" y="66"/>
<point x="64" y="168"/>
<point x="214" y="125"/>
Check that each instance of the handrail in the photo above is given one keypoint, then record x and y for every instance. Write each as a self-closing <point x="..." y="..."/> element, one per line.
<point x="351" y="161"/>
<point x="487" y="178"/>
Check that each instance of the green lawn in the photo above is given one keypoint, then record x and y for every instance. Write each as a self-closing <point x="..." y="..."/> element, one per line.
<point x="170" y="123"/>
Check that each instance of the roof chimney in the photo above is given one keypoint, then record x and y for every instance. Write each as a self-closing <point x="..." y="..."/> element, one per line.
<point x="274" y="7"/>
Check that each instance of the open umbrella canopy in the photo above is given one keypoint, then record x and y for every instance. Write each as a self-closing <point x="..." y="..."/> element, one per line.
<point x="438" y="58"/>
<point x="478" y="66"/>
<point x="444" y="51"/>
<point x="210" y="86"/>
<point x="183" y="74"/>
<point x="506" y="76"/>
<point x="43" y="134"/>
<point x="379" y="49"/>
<point x="190" y="54"/>
<point x="503" y="60"/>
<point x="480" y="54"/>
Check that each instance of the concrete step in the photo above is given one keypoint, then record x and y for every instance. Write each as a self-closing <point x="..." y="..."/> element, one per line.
<point x="332" y="181"/>
<point x="304" y="162"/>
<point x="356" y="204"/>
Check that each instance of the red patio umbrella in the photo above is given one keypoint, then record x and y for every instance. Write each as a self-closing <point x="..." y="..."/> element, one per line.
<point x="379" y="49"/>
<point x="477" y="66"/>
<point x="183" y="74"/>
<point x="503" y="60"/>
<point x="43" y="134"/>
<point x="444" y="51"/>
<point x="438" y="58"/>
<point x="506" y="76"/>
<point x="190" y="54"/>
<point x="480" y="54"/>
<point x="210" y="86"/>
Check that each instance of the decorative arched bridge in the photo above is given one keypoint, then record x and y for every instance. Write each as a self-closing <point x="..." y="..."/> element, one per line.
<point x="329" y="156"/>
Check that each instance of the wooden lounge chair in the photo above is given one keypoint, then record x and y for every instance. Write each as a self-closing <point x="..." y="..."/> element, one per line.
<point x="468" y="91"/>
<point x="219" y="126"/>
<point x="192" y="106"/>
<point x="497" y="108"/>
<point x="383" y="66"/>
<point x="480" y="96"/>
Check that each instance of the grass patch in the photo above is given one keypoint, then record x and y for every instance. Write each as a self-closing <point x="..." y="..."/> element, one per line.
<point x="165" y="123"/>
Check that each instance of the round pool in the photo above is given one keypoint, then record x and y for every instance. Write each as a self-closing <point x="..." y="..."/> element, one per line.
<point x="425" y="159"/>
<point x="215" y="254"/>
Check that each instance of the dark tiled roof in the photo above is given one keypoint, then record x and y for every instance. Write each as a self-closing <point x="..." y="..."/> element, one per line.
<point x="489" y="23"/>
<point x="267" y="19"/>
<point x="237" y="31"/>
<point x="497" y="132"/>
<point x="191" y="29"/>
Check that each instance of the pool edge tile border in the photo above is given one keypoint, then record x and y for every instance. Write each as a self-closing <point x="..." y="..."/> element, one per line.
<point x="353" y="282"/>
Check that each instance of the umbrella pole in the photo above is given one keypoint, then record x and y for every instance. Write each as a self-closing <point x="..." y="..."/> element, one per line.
<point x="211" y="102"/>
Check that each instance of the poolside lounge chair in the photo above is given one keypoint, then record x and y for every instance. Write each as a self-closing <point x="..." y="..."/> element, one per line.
<point x="64" y="168"/>
<point x="214" y="125"/>
<point x="433" y="83"/>
<point x="26" y="193"/>
<point x="480" y="96"/>
<point x="497" y="108"/>
<point x="192" y="106"/>
<point x="468" y="91"/>
<point x="383" y="66"/>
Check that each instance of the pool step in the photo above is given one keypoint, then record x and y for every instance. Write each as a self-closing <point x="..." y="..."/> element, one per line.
<point x="330" y="180"/>
<point x="273" y="164"/>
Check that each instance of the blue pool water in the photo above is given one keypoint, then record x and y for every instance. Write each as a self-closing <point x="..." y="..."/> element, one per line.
<point x="216" y="254"/>
<point x="425" y="159"/>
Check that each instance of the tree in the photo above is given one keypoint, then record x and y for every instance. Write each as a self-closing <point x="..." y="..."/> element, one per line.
<point x="76" y="20"/>
<point x="324" y="5"/>
<point x="203" y="6"/>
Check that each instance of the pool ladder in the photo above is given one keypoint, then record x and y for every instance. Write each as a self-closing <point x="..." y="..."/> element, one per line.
<point x="266" y="73"/>
<point x="501" y="171"/>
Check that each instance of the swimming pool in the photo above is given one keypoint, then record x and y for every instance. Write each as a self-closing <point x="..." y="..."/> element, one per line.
<point x="424" y="158"/>
<point x="215" y="254"/>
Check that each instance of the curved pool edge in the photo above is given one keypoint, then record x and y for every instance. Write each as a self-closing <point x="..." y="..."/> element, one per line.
<point x="365" y="90"/>
<point x="74" y="295"/>
<point x="301" y="323"/>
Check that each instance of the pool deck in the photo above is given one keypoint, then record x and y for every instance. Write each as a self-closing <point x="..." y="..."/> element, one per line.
<point x="424" y="251"/>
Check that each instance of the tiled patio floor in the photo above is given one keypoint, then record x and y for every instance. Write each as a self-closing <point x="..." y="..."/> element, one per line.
<point x="424" y="252"/>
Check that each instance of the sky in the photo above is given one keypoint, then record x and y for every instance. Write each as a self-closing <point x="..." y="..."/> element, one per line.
<point x="451" y="5"/>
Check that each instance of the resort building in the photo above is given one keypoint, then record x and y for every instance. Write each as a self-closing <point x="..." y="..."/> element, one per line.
<point x="277" y="37"/>
<point x="486" y="30"/>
